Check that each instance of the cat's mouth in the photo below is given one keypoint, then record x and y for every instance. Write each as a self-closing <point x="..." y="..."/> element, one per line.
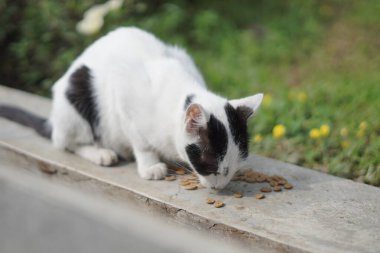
<point x="213" y="182"/>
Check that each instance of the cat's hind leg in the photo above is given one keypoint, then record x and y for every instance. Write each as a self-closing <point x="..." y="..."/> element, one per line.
<point x="97" y="155"/>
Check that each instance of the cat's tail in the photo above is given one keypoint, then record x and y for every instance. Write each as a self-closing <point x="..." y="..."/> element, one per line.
<point x="23" y="117"/>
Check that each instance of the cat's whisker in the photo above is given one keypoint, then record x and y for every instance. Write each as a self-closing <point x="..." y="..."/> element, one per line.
<point x="182" y="166"/>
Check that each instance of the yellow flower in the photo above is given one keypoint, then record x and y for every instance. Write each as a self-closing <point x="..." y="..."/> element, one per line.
<point x="278" y="131"/>
<point x="315" y="133"/>
<point x="360" y="133"/>
<point x="324" y="130"/>
<point x="362" y="129"/>
<point x="258" y="138"/>
<point x="267" y="101"/>
<point x="302" y="97"/>
<point x="345" y="144"/>
<point x="344" y="132"/>
<point x="363" y="125"/>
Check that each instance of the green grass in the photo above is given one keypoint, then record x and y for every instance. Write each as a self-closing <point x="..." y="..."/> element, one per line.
<point x="317" y="62"/>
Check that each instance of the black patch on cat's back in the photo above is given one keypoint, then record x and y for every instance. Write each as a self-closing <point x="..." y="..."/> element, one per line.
<point x="238" y="126"/>
<point x="188" y="100"/>
<point x="81" y="95"/>
<point x="206" y="155"/>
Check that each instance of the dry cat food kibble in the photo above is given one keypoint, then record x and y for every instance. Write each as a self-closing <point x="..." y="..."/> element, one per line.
<point x="275" y="181"/>
<point x="184" y="183"/>
<point x="238" y="195"/>
<point x="261" y="179"/>
<point x="250" y="180"/>
<point x="266" y="189"/>
<point x="288" y="186"/>
<point x="191" y="182"/>
<point x="218" y="204"/>
<point x="210" y="201"/>
<point x="170" y="178"/>
<point x="259" y="196"/>
<point x="180" y="171"/>
<point x="190" y="187"/>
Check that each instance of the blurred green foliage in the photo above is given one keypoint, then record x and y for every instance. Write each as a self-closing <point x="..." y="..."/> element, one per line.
<point x="317" y="61"/>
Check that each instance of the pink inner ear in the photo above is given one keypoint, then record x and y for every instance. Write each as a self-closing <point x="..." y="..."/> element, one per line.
<point x="193" y="115"/>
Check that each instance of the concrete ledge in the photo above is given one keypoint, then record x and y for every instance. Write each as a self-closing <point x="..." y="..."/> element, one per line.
<point x="322" y="214"/>
<point x="41" y="216"/>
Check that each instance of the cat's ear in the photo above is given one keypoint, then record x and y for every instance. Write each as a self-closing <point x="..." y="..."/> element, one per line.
<point x="195" y="119"/>
<point x="248" y="106"/>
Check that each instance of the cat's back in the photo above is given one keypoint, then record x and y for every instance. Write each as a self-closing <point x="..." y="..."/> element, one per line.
<point x="128" y="43"/>
<point x="122" y="46"/>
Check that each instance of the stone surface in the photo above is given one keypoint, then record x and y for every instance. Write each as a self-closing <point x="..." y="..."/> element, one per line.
<point x="321" y="214"/>
<point x="37" y="216"/>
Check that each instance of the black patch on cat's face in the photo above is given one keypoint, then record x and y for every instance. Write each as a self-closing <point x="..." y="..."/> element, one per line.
<point x="206" y="155"/>
<point x="81" y="95"/>
<point x="189" y="100"/>
<point x="237" y="121"/>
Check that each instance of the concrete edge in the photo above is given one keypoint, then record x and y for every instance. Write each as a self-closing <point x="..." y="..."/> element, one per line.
<point x="119" y="219"/>
<point x="178" y="215"/>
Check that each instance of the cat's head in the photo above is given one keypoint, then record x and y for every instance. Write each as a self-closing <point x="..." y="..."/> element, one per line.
<point x="217" y="140"/>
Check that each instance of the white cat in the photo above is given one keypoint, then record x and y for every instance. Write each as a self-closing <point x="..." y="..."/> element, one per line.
<point x="130" y="94"/>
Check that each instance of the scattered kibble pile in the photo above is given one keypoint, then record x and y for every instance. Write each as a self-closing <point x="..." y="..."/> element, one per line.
<point x="275" y="183"/>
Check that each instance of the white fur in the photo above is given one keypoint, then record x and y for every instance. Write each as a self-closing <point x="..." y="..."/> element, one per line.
<point x="141" y="85"/>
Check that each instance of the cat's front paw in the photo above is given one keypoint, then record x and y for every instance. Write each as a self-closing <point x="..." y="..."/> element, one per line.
<point x="155" y="172"/>
<point x="105" y="157"/>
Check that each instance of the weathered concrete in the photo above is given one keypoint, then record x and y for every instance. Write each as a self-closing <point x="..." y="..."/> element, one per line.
<point x="322" y="214"/>
<point x="38" y="216"/>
